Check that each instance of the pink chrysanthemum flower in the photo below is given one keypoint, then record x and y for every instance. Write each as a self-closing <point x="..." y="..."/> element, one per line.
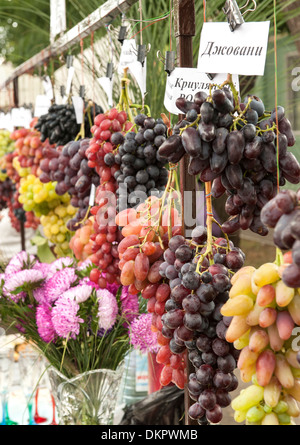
<point x="14" y="297"/>
<point x="141" y="336"/>
<point x="27" y="278"/>
<point x="65" y="320"/>
<point x="44" y="323"/>
<point x="107" y="309"/>
<point x="20" y="261"/>
<point x="59" y="283"/>
<point x="78" y="293"/>
<point x="86" y="280"/>
<point x="130" y="305"/>
<point x="39" y="294"/>
<point x="84" y="265"/>
<point x="61" y="263"/>
<point x="45" y="268"/>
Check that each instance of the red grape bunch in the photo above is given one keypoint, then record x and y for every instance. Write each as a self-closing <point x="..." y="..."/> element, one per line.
<point x="282" y="214"/>
<point x="234" y="145"/>
<point x="106" y="234"/>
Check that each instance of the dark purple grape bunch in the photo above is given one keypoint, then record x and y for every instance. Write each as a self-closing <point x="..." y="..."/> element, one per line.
<point x="141" y="168"/>
<point x="199" y="287"/>
<point x="7" y="189"/>
<point x="73" y="175"/>
<point x="60" y="126"/>
<point x="234" y="145"/>
<point x="282" y="214"/>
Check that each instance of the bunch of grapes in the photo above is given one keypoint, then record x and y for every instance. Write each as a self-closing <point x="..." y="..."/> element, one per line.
<point x="69" y="168"/>
<point x="106" y="234"/>
<point x="6" y="192"/>
<point x="54" y="225"/>
<point x="235" y="145"/>
<point x="142" y="171"/>
<point x="145" y="239"/>
<point x="199" y="281"/>
<point x="60" y="126"/>
<point x="17" y="214"/>
<point x="264" y="312"/>
<point x="38" y="197"/>
<point x="11" y="165"/>
<point x="81" y="243"/>
<point x="29" y="149"/>
<point x="282" y="214"/>
<point x="6" y="143"/>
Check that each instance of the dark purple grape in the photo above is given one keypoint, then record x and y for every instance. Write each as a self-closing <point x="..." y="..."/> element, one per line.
<point x="220" y="347"/>
<point x="193" y="322"/>
<point x="207" y="399"/>
<point x="203" y="343"/>
<point x="235" y="146"/>
<point x="223" y="398"/>
<point x="184" y="253"/>
<point x="175" y="242"/>
<point x="222" y="380"/>
<point x="191" y="304"/>
<point x="226" y="363"/>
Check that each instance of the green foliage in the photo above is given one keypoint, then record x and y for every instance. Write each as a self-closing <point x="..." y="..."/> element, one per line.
<point x="32" y="32"/>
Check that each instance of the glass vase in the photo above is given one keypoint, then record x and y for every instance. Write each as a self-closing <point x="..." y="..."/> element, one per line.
<point x="86" y="399"/>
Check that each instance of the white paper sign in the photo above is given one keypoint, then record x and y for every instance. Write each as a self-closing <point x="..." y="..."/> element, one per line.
<point x="6" y="121"/>
<point x="186" y="82"/>
<point x="240" y="52"/>
<point x="48" y="89"/>
<point x="57" y="18"/>
<point x="42" y="105"/>
<point x="139" y="72"/>
<point x="21" y="117"/>
<point x="78" y="106"/>
<point x="71" y="72"/>
<point x="107" y="85"/>
<point x="128" y="54"/>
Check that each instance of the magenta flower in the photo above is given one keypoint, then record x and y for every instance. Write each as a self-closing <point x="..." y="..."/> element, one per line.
<point x="86" y="280"/>
<point x="141" y="336"/>
<point x="45" y="268"/>
<point x="44" y="323"/>
<point x="24" y="280"/>
<point x="59" y="283"/>
<point x="107" y="309"/>
<point x="65" y="320"/>
<point x="130" y="304"/>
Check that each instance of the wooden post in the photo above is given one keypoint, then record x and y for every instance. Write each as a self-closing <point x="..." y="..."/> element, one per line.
<point x="16" y="105"/>
<point x="16" y="92"/>
<point x="184" y="24"/>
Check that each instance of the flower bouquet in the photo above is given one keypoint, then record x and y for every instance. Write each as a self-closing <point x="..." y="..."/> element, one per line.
<point x="78" y="327"/>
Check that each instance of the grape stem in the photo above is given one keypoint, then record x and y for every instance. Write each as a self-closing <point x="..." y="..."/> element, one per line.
<point x="124" y="102"/>
<point x="279" y="257"/>
<point x="190" y="125"/>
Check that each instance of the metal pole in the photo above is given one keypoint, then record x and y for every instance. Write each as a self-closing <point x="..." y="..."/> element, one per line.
<point x="184" y="24"/>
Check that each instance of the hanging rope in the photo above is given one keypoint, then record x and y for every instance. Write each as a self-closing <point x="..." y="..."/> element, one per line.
<point x="93" y="73"/>
<point x="276" y="92"/>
